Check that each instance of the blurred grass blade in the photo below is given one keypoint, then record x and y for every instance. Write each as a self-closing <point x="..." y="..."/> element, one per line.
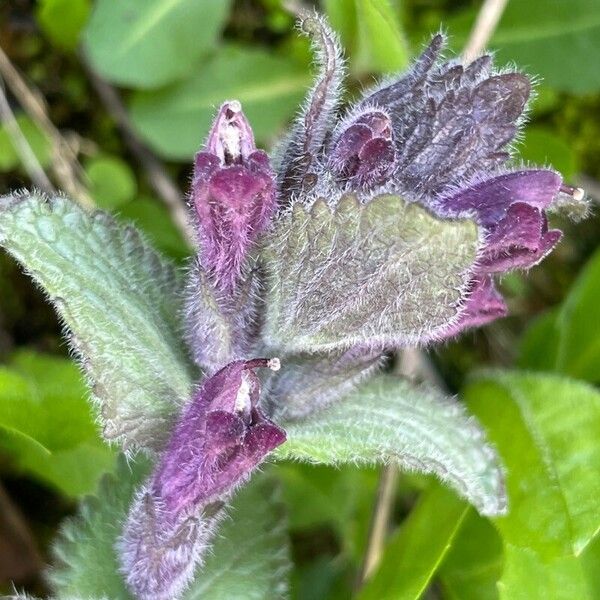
<point x="415" y="551"/>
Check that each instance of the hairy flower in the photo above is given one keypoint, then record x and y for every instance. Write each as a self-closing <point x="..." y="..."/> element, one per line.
<point x="233" y="195"/>
<point x="221" y="437"/>
<point x="383" y="226"/>
<point x="440" y="138"/>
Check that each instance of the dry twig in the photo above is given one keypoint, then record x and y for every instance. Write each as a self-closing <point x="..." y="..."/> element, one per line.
<point x="28" y="158"/>
<point x="487" y="20"/>
<point x="163" y="185"/>
<point x="64" y="160"/>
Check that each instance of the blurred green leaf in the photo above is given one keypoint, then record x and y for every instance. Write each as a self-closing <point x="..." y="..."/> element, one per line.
<point x="415" y="551"/>
<point x="149" y="43"/>
<point x="342" y="497"/>
<point x="40" y="145"/>
<point x="153" y="218"/>
<point x="543" y="147"/>
<point x="579" y="344"/>
<point x="249" y="557"/>
<point x="546" y="430"/>
<point x="120" y="301"/>
<point x="382" y="46"/>
<point x="63" y="20"/>
<point x="112" y="183"/>
<point x="43" y="405"/>
<point x="175" y="120"/>
<point x="560" y="41"/>
<point x="371" y="34"/>
<point x="390" y="420"/>
<point x="473" y="566"/>
<point x="538" y="347"/>
<point x="564" y="340"/>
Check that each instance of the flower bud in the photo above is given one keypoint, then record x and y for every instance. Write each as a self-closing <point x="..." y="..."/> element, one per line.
<point x="363" y="154"/>
<point x="222" y="435"/>
<point x="233" y="196"/>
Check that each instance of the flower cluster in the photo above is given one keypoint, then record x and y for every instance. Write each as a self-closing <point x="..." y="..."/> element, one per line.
<point x="379" y="226"/>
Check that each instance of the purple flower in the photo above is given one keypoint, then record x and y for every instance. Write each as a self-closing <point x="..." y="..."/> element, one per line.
<point x="220" y="439"/>
<point x="233" y="195"/>
<point x="221" y="436"/>
<point x="440" y="136"/>
<point x="362" y="154"/>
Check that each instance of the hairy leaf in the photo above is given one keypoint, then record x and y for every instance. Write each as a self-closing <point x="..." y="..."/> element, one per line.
<point x="148" y="43"/>
<point x="385" y="272"/>
<point x="388" y="420"/>
<point x="546" y="429"/>
<point x="118" y="299"/>
<point x="249" y="557"/>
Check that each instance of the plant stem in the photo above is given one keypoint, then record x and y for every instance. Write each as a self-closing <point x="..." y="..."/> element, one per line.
<point x="66" y="168"/>
<point x="485" y="24"/>
<point x="159" y="179"/>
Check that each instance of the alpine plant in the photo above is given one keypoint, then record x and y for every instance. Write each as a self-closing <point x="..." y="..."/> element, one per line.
<point x="372" y="228"/>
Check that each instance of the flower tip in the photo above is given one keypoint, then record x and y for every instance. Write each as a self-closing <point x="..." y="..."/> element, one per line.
<point x="577" y="193"/>
<point x="274" y="364"/>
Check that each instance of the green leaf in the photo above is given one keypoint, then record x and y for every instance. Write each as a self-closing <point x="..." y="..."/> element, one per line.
<point x="546" y="430"/>
<point x="579" y="345"/>
<point x="63" y="20"/>
<point x="112" y="182"/>
<point x="341" y="497"/>
<point x="473" y="566"/>
<point x="415" y="551"/>
<point x="382" y="46"/>
<point x="388" y="420"/>
<point x="562" y="45"/>
<point x="538" y="347"/>
<point x="563" y="340"/>
<point x="47" y="427"/>
<point x="249" y="557"/>
<point x="149" y="43"/>
<point x="371" y="34"/>
<point x="176" y="120"/>
<point x="541" y="146"/>
<point x="386" y="272"/>
<point x="119" y="301"/>
<point x="39" y="143"/>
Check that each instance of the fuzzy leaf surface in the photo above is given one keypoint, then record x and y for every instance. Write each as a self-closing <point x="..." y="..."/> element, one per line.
<point x="249" y="557"/>
<point x="118" y="300"/>
<point x="389" y="420"/>
<point x="384" y="272"/>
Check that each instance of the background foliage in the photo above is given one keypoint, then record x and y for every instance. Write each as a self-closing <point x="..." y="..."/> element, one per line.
<point x="531" y="378"/>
